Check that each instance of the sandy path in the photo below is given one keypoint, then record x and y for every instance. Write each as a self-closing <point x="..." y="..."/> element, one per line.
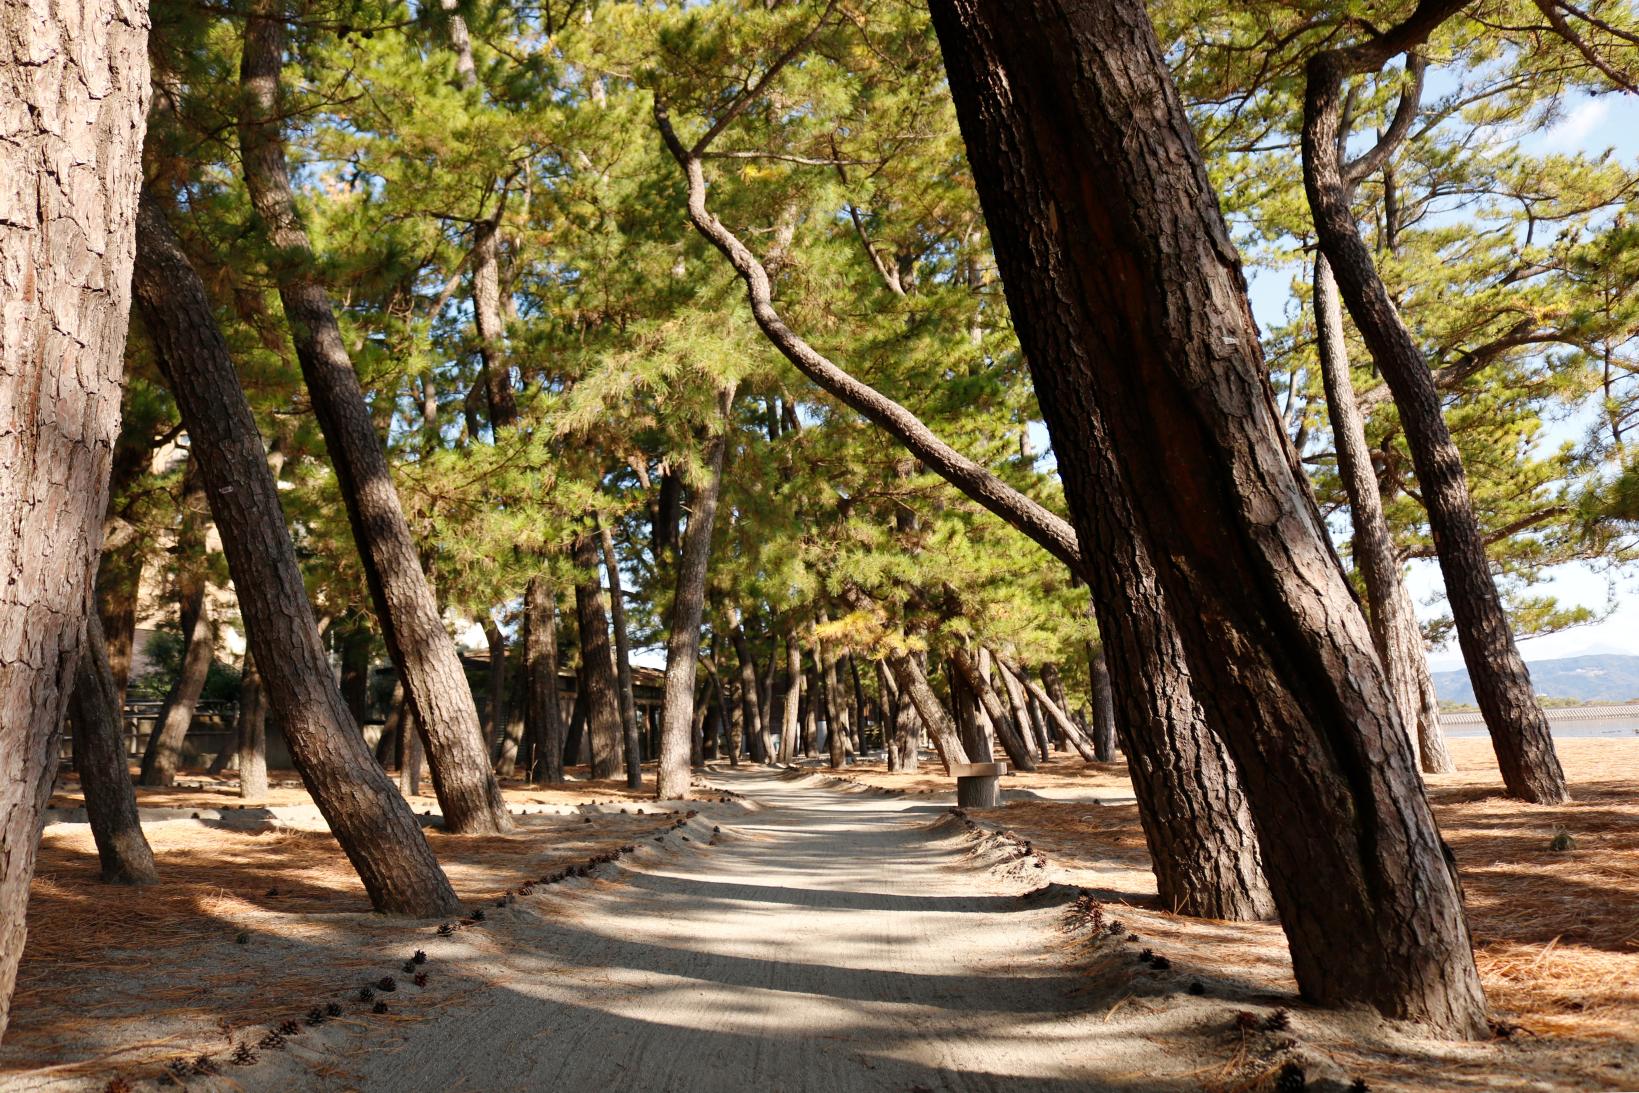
<point x="831" y="941"/>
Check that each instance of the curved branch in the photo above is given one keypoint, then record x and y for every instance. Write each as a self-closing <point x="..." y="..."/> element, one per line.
<point x="1404" y="114"/>
<point x="1052" y="532"/>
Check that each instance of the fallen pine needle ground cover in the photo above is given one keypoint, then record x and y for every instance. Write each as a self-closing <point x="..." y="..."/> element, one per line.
<point x="254" y="924"/>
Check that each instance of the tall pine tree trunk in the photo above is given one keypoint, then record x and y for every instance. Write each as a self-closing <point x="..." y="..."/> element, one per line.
<point x="374" y="826"/>
<point x="749" y="700"/>
<point x="1131" y="310"/>
<point x="406" y="609"/>
<point x="252" y="732"/>
<point x="1393" y="619"/>
<point x="603" y="721"/>
<point x="496" y="711"/>
<point x="99" y="755"/>
<point x="1502" y="685"/>
<point x="623" y="662"/>
<point x="543" y="714"/>
<point x="790" y="723"/>
<point x="1103" y="704"/>
<point x="688" y="606"/>
<point x="118" y="579"/>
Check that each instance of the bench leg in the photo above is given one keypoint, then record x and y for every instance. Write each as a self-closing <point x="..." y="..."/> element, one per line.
<point x="980" y="792"/>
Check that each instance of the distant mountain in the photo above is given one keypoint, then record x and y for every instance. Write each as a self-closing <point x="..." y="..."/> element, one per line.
<point x="1603" y="678"/>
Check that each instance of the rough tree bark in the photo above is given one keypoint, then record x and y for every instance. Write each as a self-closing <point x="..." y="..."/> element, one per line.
<point x="1131" y="308"/>
<point x="623" y="661"/>
<point x="1502" y="684"/>
<point x="164" y="751"/>
<point x="688" y="605"/>
<point x="603" y="720"/>
<point x="74" y="84"/>
<point x="99" y="755"/>
<point x="421" y="649"/>
<point x="1019" y="700"/>
<point x="373" y="824"/>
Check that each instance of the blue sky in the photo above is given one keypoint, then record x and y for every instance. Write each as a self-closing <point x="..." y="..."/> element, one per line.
<point x="1591" y="124"/>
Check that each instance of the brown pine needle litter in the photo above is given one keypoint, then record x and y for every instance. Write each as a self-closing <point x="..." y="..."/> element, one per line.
<point x="102" y="962"/>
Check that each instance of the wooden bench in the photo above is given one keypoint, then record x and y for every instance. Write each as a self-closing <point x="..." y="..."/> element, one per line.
<point x="976" y="784"/>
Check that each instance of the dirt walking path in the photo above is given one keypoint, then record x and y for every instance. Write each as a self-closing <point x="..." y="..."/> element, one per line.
<point x="829" y="940"/>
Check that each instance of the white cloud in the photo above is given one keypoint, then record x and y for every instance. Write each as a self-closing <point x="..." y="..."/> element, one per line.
<point x="1575" y="129"/>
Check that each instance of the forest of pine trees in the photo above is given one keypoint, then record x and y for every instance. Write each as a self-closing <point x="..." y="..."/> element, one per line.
<point x="884" y="378"/>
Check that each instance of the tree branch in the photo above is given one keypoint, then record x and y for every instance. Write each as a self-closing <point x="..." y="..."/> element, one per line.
<point x="1052" y="532"/>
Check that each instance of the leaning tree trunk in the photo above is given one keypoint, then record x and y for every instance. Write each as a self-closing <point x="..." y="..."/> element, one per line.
<point x="623" y="662"/>
<point x="99" y="754"/>
<point x="421" y="648"/>
<point x="1006" y="729"/>
<point x="1131" y="310"/>
<point x="373" y="824"/>
<point x="683" y="640"/>
<point x="543" y="716"/>
<point x="1393" y="620"/>
<point x="914" y="689"/>
<point x="603" y="721"/>
<point x="1502" y="685"/>
<point x="163" y="755"/>
<point x="252" y="732"/>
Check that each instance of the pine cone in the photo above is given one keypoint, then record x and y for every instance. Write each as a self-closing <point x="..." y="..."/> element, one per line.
<point x="1279" y="1021"/>
<point x="1291" y="1079"/>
